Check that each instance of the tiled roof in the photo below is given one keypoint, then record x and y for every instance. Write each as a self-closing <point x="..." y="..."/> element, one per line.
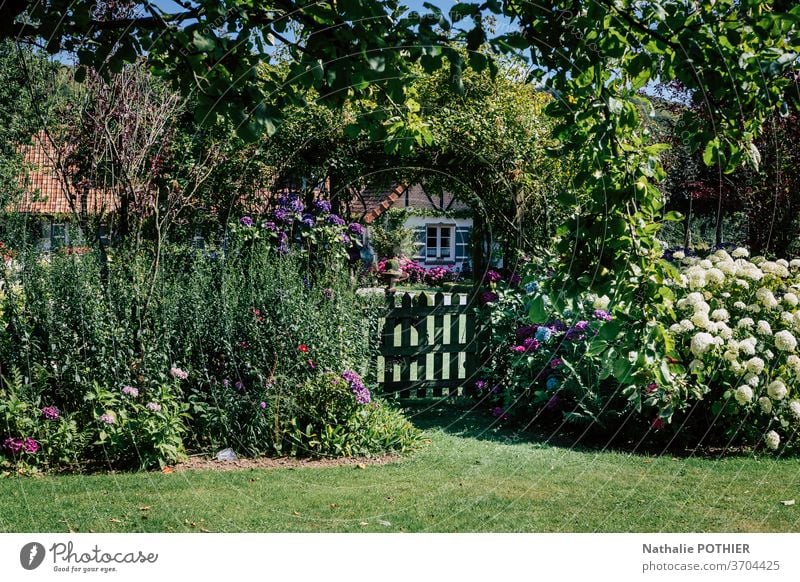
<point x="46" y="192"/>
<point x="401" y="196"/>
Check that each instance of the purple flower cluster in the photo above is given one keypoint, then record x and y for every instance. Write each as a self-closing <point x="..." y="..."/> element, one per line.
<point x="578" y="331"/>
<point x="493" y="276"/>
<point x="51" y="413"/>
<point x="603" y="315"/>
<point x="322" y="206"/>
<point x="489" y="297"/>
<point x="481" y="385"/>
<point x="308" y="221"/>
<point x="130" y="391"/>
<point x="357" y="386"/>
<point x="24" y="445"/>
<point x="246" y="221"/>
<point x="335" y="220"/>
<point x="356" y="229"/>
<point x="282" y="215"/>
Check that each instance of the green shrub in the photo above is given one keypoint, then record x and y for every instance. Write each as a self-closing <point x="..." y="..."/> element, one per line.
<point x="259" y="335"/>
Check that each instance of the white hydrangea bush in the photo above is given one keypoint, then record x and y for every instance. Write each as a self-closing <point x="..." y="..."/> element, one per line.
<point x="736" y="330"/>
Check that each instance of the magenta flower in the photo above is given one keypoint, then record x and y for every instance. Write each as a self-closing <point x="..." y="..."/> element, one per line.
<point x="518" y="349"/>
<point x="246" y="221"/>
<point x="263" y="405"/>
<point x="489" y="297"/>
<point x="481" y="385"/>
<point x="13" y="446"/>
<point x="651" y="387"/>
<point x="555" y="363"/>
<point x="51" y="413"/>
<point x="30" y="446"/>
<point x="493" y="276"/>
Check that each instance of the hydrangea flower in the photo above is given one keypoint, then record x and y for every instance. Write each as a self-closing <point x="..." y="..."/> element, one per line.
<point x="246" y="221"/>
<point x="178" y="373"/>
<point x="543" y="334"/>
<point x="335" y="220"/>
<point x="269" y="225"/>
<point x="740" y="252"/>
<point x="785" y="341"/>
<point x="765" y="404"/>
<point x="51" y="413"/>
<point x="489" y="297"/>
<point x="772" y="440"/>
<point x="493" y="276"/>
<point x="701" y="343"/>
<point x="755" y="365"/>
<point x="552" y="383"/>
<point x="743" y="394"/>
<point x="308" y="221"/>
<point x="794" y="406"/>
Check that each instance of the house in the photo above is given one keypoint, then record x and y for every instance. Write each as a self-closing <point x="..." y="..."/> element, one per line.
<point x="441" y="222"/>
<point x="52" y="201"/>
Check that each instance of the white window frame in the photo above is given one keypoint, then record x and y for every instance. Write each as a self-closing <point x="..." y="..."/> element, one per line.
<point x="452" y="245"/>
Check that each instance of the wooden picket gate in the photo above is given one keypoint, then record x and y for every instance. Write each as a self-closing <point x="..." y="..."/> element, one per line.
<point x="430" y="345"/>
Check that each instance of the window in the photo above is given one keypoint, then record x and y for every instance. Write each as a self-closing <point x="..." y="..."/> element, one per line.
<point x="59" y="235"/>
<point x="439" y="242"/>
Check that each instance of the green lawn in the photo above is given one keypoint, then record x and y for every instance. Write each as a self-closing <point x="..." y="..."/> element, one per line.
<point x="468" y="478"/>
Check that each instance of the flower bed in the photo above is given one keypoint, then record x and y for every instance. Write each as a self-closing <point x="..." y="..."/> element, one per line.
<point x="254" y="350"/>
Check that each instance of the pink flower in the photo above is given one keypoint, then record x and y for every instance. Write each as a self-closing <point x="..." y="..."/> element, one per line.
<point x="130" y="391"/>
<point x="555" y="363"/>
<point x="31" y="446"/>
<point x="178" y="373"/>
<point x="51" y="413"/>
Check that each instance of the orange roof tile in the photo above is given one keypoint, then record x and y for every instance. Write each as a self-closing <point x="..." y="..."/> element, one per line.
<point x="45" y="189"/>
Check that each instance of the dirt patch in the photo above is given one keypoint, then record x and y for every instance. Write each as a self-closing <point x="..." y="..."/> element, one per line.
<point x="201" y="463"/>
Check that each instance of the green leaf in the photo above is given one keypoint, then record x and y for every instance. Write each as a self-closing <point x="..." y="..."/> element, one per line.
<point x="537" y="312"/>
<point x="711" y="152"/>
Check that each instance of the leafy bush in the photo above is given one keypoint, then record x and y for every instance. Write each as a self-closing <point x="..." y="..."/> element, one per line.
<point x="249" y="334"/>
<point x="734" y="328"/>
<point x="729" y="375"/>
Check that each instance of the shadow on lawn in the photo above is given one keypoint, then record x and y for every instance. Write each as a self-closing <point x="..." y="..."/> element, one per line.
<point x="462" y="418"/>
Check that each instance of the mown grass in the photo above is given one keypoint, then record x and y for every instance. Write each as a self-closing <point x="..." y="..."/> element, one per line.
<point x="469" y="477"/>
